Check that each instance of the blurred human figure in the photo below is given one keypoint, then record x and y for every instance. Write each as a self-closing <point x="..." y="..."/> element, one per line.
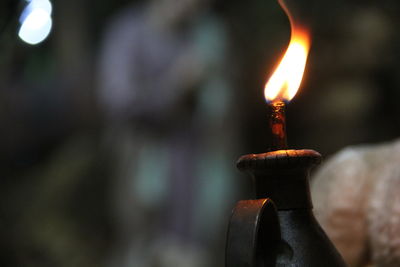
<point x="163" y="86"/>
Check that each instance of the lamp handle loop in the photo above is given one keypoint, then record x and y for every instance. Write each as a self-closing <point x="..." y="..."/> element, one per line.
<point x="253" y="234"/>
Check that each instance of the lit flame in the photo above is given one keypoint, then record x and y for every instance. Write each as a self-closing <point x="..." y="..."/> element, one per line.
<point x="286" y="79"/>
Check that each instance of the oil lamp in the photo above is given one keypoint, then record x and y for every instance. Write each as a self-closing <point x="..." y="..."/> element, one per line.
<point x="278" y="228"/>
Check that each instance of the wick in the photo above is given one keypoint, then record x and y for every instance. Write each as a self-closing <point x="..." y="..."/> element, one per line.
<point x="278" y="126"/>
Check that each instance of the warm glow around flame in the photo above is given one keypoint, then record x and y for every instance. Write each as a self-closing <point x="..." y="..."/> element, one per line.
<point x="286" y="79"/>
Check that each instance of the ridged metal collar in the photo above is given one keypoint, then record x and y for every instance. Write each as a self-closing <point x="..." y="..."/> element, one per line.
<point x="280" y="159"/>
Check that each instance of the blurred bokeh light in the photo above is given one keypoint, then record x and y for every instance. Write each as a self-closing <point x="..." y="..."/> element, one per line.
<point x="36" y="21"/>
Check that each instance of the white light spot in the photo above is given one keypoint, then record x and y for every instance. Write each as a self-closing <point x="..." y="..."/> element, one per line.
<point x="34" y="4"/>
<point x="36" y="22"/>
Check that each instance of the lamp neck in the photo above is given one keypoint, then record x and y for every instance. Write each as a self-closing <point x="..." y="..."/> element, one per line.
<point x="282" y="176"/>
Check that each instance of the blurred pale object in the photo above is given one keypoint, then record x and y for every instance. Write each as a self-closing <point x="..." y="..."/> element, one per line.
<point x="357" y="202"/>
<point x="36" y="22"/>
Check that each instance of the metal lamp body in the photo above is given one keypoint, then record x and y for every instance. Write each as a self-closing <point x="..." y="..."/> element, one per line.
<point x="279" y="226"/>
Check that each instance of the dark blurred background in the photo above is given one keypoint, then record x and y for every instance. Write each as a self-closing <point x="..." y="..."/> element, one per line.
<point x="120" y="131"/>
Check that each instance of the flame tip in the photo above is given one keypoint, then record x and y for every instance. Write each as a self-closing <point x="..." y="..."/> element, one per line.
<point x="287" y="77"/>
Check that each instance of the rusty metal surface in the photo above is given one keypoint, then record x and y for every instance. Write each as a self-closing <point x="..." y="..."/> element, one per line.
<point x="278" y="125"/>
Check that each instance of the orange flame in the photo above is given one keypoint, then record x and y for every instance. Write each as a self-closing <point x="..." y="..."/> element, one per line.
<point x="286" y="79"/>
